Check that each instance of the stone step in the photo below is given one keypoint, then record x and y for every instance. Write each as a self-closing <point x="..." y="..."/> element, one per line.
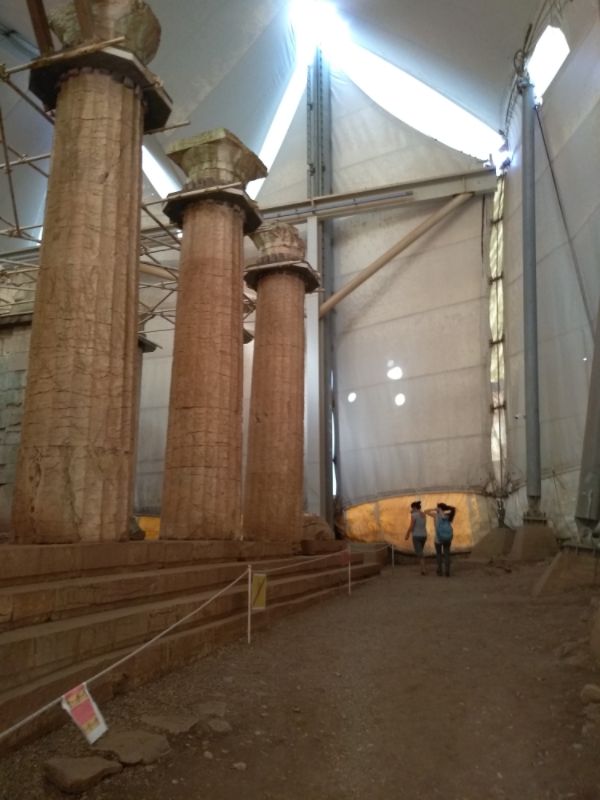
<point x="181" y="647"/>
<point x="37" y="563"/>
<point x="29" y="653"/>
<point x="29" y="604"/>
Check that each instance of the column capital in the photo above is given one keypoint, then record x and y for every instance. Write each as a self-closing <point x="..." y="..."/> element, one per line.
<point x="133" y="19"/>
<point x="216" y="158"/>
<point x="213" y="161"/>
<point x="277" y="241"/>
<point x="280" y="249"/>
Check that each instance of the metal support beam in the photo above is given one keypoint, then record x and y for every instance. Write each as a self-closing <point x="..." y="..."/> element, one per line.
<point x="41" y="29"/>
<point x="530" y="326"/>
<point x="384" y="259"/>
<point x="319" y="184"/>
<point x="479" y="182"/>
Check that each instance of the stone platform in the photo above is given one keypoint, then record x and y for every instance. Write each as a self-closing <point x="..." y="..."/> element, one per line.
<point x="67" y="612"/>
<point x="571" y="568"/>
<point x="495" y="544"/>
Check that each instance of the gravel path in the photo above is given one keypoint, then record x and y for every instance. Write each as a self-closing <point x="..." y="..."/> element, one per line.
<point x="415" y="687"/>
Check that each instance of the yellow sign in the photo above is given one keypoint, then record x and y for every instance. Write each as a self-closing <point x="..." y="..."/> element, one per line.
<point x="259" y="591"/>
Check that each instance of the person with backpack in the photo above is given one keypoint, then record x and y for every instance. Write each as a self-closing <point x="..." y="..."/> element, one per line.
<point x="444" y="516"/>
<point x="418" y="528"/>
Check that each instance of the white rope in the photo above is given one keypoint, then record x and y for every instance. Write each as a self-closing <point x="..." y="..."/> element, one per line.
<point x="302" y="560"/>
<point x="376" y="550"/>
<point x="150" y="642"/>
<point x="133" y="653"/>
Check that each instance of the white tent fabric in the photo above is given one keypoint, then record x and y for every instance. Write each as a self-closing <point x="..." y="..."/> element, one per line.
<point x="413" y="315"/>
<point x="425" y="312"/>
<point x="571" y="119"/>
<point x="227" y="62"/>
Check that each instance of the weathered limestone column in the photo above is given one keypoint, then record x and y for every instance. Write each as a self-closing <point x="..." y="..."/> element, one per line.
<point x="75" y="468"/>
<point x="203" y="461"/>
<point x="273" y="494"/>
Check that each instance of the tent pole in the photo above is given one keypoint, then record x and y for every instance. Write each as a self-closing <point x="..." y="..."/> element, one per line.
<point x="319" y="158"/>
<point x="384" y="259"/>
<point x="530" y="325"/>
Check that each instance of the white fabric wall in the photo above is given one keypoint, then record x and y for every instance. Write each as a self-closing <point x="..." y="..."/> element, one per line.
<point x="426" y="311"/>
<point x="571" y="118"/>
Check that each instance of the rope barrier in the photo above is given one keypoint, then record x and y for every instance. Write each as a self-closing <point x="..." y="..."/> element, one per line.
<point x="133" y="653"/>
<point x="302" y="560"/>
<point x="246" y="573"/>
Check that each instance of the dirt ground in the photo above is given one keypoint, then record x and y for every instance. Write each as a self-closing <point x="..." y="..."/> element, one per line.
<point x="415" y="687"/>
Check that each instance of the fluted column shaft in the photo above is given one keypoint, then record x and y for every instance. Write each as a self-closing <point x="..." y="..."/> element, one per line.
<point x="203" y="462"/>
<point x="75" y="467"/>
<point x="273" y="493"/>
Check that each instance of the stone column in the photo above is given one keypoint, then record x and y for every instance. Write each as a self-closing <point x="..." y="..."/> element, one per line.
<point x="75" y="468"/>
<point x="203" y="461"/>
<point x="273" y="494"/>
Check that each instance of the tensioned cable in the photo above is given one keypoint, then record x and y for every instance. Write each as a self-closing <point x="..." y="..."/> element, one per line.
<point x="566" y="227"/>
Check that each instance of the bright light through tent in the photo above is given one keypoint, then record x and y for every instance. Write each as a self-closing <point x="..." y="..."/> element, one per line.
<point x="400" y="399"/>
<point x="418" y="105"/>
<point x="547" y="58"/>
<point x="395" y="373"/>
<point x="352" y="397"/>
<point x="314" y="22"/>
<point x="280" y="124"/>
<point x="160" y="179"/>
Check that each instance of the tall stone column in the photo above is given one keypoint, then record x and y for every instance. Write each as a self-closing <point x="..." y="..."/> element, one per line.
<point x="273" y="494"/>
<point x="203" y="461"/>
<point x="75" y="468"/>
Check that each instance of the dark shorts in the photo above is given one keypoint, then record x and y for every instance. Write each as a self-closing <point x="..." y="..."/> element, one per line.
<point x="419" y="544"/>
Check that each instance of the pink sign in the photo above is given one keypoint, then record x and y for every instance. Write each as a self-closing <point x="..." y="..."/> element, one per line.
<point x="80" y="706"/>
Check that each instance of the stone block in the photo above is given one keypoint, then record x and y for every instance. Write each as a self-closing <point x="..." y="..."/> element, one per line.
<point x="171" y="723"/>
<point x="11" y="397"/>
<point x="15" y="362"/>
<point x="315" y="547"/>
<point x="569" y="568"/>
<point x="590" y="693"/>
<point x="12" y="436"/>
<point x="495" y="544"/>
<point x="9" y="379"/>
<point x="77" y="775"/>
<point x="533" y="543"/>
<point x="7" y="473"/>
<point x="134" y="747"/>
<point x="10" y="416"/>
<point x="8" y="454"/>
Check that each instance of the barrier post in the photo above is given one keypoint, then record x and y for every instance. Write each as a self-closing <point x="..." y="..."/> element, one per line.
<point x="249" y="626"/>
<point x="349" y="569"/>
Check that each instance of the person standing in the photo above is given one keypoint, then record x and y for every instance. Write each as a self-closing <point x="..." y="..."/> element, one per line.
<point x="444" y="515"/>
<point x="418" y="528"/>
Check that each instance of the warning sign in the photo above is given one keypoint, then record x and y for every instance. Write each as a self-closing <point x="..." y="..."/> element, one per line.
<point x="79" y="705"/>
<point x="259" y="591"/>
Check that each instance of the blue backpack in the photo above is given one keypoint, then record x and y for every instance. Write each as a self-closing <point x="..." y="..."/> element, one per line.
<point x="444" y="529"/>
